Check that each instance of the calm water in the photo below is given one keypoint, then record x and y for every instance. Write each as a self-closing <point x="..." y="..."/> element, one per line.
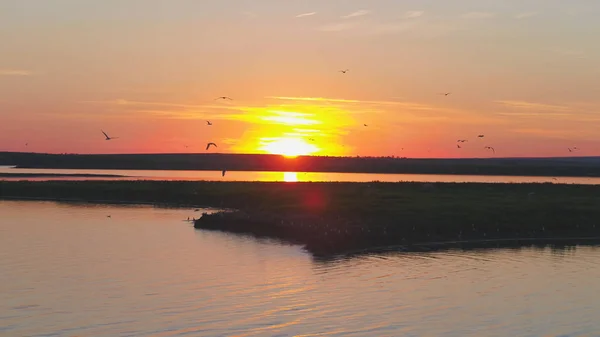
<point x="69" y="270"/>
<point x="290" y="176"/>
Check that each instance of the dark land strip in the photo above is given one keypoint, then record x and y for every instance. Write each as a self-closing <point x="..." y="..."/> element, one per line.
<point x="328" y="218"/>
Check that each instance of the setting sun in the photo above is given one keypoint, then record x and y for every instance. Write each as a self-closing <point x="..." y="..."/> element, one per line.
<point x="290" y="147"/>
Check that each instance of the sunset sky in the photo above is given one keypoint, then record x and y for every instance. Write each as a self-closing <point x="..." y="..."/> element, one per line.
<point x="525" y="73"/>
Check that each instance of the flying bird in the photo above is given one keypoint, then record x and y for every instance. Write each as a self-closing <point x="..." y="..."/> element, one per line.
<point x="458" y="146"/>
<point x="209" y="144"/>
<point x="224" y="98"/>
<point x="490" y="148"/>
<point x="570" y="149"/>
<point x="344" y="71"/>
<point x="445" y="93"/>
<point x="208" y="123"/>
<point x="462" y="140"/>
<point x="365" y="124"/>
<point x="107" y="137"/>
<point x="480" y="136"/>
<point x="223" y="173"/>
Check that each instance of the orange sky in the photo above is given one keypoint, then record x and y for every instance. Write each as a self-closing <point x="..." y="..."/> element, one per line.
<point x="524" y="73"/>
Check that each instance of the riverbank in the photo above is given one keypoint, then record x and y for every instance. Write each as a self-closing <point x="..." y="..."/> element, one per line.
<point x="547" y="167"/>
<point x="58" y="175"/>
<point x="329" y="217"/>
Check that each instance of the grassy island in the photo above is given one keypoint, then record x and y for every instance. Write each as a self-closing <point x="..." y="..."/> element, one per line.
<point x="330" y="217"/>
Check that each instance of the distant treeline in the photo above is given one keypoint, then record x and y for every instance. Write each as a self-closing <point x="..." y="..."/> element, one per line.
<point x="568" y="166"/>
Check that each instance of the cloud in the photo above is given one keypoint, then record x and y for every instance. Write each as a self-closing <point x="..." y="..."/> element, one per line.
<point x="525" y="15"/>
<point x="478" y="15"/>
<point x="413" y="14"/>
<point x="409" y="105"/>
<point x="124" y="102"/>
<point x="15" y="72"/>
<point x="306" y="14"/>
<point x="552" y="133"/>
<point x="534" y="106"/>
<point x="361" y="12"/>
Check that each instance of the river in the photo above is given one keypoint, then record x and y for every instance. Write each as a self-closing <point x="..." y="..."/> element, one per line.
<point x="284" y="176"/>
<point x="70" y="270"/>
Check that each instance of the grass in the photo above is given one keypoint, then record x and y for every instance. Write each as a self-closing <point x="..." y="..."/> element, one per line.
<point x="355" y="214"/>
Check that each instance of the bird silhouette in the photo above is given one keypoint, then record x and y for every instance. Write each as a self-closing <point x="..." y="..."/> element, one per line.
<point x="107" y="137"/>
<point x="344" y="71"/>
<point x="365" y="124"/>
<point x="223" y="173"/>
<point x="458" y="146"/>
<point x="490" y="148"/>
<point x="209" y="144"/>
<point x="462" y="140"/>
<point x="480" y="136"/>
<point x="208" y="123"/>
<point x="445" y="93"/>
<point x="224" y="98"/>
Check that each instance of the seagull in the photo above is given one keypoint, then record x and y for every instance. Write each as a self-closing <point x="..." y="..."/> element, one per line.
<point x="445" y="93"/>
<point x="209" y="144"/>
<point x="208" y="123"/>
<point x="224" y="98"/>
<point x="570" y="150"/>
<point x="458" y="146"/>
<point x="107" y="137"/>
<point x="490" y="148"/>
<point x="344" y="71"/>
<point x="365" y="124"/>
<point x="480" y="136"/>
<point x="223" y="173"/>
<point x="462" y="140"/>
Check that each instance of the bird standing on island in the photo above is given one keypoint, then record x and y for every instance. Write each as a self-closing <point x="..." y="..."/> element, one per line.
<point x="209" y="144"/>
<point x="107" y="137"/>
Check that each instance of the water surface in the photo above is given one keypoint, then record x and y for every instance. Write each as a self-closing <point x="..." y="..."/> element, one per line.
<point x="287" y="176"/>
<point x="69" y="270"/>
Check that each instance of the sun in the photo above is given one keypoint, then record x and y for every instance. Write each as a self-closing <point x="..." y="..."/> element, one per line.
<point x="290" y="147"/>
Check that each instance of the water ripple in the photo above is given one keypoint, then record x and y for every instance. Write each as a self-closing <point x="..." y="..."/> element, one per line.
<point x="145" y="274"/>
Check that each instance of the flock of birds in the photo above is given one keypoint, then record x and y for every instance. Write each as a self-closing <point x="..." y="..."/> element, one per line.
<point x="344" y="71"/>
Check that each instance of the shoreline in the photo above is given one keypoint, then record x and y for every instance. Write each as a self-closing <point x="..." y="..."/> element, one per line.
<point x="60" y="175"/>
<point x="542" y="167"/>
<point x="327" y="218"/>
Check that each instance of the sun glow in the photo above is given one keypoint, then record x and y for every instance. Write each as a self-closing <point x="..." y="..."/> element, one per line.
<point x="289" y="147"/>
<point x="290" y="177"/>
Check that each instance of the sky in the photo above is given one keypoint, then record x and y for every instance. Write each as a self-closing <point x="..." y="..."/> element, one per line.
<point x="524" y="73"/>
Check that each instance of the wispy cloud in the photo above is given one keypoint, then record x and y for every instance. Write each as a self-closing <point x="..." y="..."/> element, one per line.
<point x="306" y="14"/>
<point x="411" y="105"/>
<point x="534" y="106"/>
<point x="478" y="15"/>
<point x="413" y="14"/>
<point x="15" y="72"/>
<point x="525" y="15"/>
<point x="361" y="12"/>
